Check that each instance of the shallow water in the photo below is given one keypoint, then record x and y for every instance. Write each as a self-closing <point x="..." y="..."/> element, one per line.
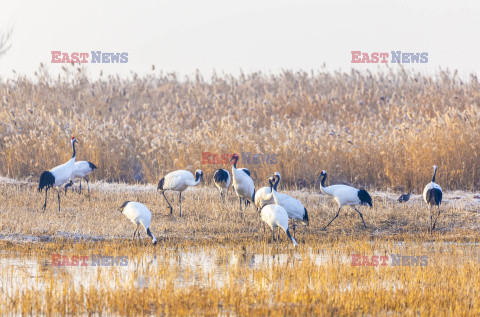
<point x="209" y="266"/>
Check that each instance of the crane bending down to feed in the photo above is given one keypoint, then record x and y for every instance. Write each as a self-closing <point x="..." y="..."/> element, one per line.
<point x="432" y="194"/>
<point x="275" y="216"/>
<point x="242" y="183"/>
<point x="345" y="195"/>
<point x="179" y="181"/>
<point x="81" y="170"/>
<point x="139" y="214"/>
<point x="57" y="176"/>
<point x="222" y="179"/>
<point x="295" y="209"/>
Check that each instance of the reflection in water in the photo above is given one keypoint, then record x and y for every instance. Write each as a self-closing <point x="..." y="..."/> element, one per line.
<point x="203" y="266"/>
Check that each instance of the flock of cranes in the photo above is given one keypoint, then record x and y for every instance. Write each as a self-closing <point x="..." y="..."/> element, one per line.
<point x="276" y="208"/>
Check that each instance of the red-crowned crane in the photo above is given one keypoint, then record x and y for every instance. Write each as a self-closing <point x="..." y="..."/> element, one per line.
<point x="57" y="176"/>
<point x="179" y="181"/>
<point x="432" y="194"/>
<point x="259" y="201"/>
<point x="81" y="170"/>
<point x="246" y="171"/>
<point x="295" y="209"/>
<point x="222" y="179"/>
<point x="274" y="215"/>
<point x="242" y="183"/>
<point x="139" y="214"/>
<point x="345" y="195"/>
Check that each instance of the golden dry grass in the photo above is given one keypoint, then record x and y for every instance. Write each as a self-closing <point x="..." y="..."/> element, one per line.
<point x="211" y="261"/>
<point x="382" y="130"/>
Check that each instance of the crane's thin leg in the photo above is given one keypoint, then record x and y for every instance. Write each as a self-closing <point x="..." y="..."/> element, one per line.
<point x="80" y="186"/>
<point x="58" y="194"/>
<point x="240" y="204"/>
<point x="364" y="225"/>
<point x="333" y="218"/>
<point x="45" y="204"/>
<point x="431" y="218"/>
<point x="134" y="233"/>
<point x="88" y="188"/>
<point x="294" y="228"/>
<point x="435" y="222"/>
<point x="180" y="204"/>
<point x="68" y="185"/>
<point x="170" y="206"/>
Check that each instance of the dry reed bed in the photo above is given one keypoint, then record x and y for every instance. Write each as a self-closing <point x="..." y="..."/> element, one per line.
<point x="382" y="130"/>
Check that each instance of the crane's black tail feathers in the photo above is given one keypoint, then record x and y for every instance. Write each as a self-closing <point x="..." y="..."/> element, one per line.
<point x="92" y="166"/>
<point x="365" y="198"/>
<point x="434" y="196"/>
<point x="160" y="184"/>
<point x="305" y="217"/>
<point x="47" y="180"/>
<point x="220" y="176"/>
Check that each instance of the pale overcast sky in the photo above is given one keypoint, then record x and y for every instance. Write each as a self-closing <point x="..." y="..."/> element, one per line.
<point x="249" y="35"/>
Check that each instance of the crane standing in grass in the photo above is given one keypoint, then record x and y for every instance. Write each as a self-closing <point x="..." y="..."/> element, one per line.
<point x="295" y="209"/>
<point x="81" y="170"/>
<point x="57" y="176"/>
<point x="222" y="179"/>
<point x="242" y="183"/>
<point x="246" y="202"/>
<point x="345" y="195"/>
<point x="138" y="214"/>
<point x="275" y="216"/>
<point x="179" y="181"/>
<point x="432" y="194"/>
